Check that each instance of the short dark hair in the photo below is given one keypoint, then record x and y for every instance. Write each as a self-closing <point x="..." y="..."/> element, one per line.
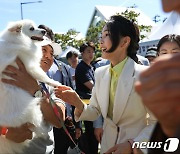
<point x="168" y="38"/>
<point x="70" y="54"/>
<point x="49" y="32"/>
<point x="119" y="27"/>
<point x="85" y="45"/>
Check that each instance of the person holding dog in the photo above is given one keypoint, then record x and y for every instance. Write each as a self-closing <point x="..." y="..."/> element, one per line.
<point x="22" y="79"/>
<point x="60" y="72"/>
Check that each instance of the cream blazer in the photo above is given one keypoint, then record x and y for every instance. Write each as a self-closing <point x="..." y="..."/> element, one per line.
<point x="129" y="113"/>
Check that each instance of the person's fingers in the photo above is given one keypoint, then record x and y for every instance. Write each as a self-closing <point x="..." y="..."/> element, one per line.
<point x="97" y="137"/>
<point x="12" y="69"/>
<point x="138" y="86"/>
<point x="100" y="137"/>
<point x="161" y="92"/>
<point x="58" y="93"/>
<point x="9" y="81"/>
<point x="29" y="125"/>
<point x="162" y="63"/>
<point x="113" y="149"/>
<point x="62" y="88"/>
<point x="160" y="77"/>
<point x="20" y="64"/>
<point x="12" y="75"/>
<point x="29" y="134"/>
<point x="78" y="134"/>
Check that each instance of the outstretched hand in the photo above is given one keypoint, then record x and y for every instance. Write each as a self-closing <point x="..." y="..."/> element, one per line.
<point x="68" y="95"/>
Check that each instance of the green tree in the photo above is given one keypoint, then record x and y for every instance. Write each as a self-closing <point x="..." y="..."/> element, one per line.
<point x="95" y="30"/>
<point x="68" y="39"/>
<point x="132" y="15"/>
<point x="93" y="35"/>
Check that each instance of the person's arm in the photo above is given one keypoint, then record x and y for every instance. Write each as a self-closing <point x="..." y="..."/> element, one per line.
<point x="83" y="75"/>
<point x="121" y="148"/>
<point x="67" y="94"/>
<point x="18" y="134"/>
<point x="83" y="111"/>
<point x="98" y="128"/>
<point x="49" y="114"/>
<point x="89" y="84"/>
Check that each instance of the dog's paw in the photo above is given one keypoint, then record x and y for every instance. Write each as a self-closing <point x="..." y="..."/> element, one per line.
<point x="54" y="83"/>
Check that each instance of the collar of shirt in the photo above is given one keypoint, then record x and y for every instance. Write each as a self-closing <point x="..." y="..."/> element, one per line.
<point x="115" y="73"/>
<point x="116" y="70"/>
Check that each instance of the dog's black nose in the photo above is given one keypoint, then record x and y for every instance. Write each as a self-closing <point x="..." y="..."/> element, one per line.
<point x="43" y="32"/>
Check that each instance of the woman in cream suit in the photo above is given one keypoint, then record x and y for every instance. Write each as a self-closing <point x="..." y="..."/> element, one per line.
<point x="113" y="96"/>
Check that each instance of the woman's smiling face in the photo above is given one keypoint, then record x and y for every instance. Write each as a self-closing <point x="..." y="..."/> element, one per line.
<point x="105" y="42"/>
<point x="169" y="47"/>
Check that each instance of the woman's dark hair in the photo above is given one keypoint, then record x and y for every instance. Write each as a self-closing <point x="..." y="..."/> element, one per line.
<point x="168" y="38"/>
<point x="70" y="54"/>
<point x="119" y="27"/>
<point x="49" y="32"/>
<point x="85" y="45"/>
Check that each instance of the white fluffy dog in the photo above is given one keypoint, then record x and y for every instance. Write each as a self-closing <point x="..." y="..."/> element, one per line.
<point x="17" y="106"/>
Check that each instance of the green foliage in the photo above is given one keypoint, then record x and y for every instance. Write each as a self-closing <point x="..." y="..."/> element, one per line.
<point x="132" y="15"/>
<point x="68" y="39"/>
<point x="93" y="35"/>
<point x="94" y="31"/>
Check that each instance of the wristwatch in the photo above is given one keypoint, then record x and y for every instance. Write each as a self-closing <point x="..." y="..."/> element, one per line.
<point x="38" y="93"/>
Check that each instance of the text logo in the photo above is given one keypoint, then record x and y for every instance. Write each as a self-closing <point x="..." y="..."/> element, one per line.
<point x="170" y="145"/>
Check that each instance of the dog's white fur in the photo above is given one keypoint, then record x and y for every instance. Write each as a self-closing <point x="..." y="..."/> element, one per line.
<point x="17" y="106"/>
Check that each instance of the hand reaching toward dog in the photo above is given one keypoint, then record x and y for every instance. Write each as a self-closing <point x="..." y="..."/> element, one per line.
<point x="67" y="94"/>
<point x="20" y="78"/>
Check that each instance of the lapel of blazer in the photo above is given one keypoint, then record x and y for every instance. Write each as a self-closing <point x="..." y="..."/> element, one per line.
<point x="124" y="87"/>
<point x="104" y="91"/>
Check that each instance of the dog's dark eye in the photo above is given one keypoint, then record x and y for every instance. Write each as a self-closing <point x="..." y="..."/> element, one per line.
<point x="31" y="29"/>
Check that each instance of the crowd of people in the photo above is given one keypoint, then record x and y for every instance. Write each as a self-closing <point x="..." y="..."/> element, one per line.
<point x="128" y="101"/>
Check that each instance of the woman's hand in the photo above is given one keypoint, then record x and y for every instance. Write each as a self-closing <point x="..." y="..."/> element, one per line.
<point x="121" y="148"/>
<point x="20" y="134"/>
<point x="78" y="133"/>
<point x="68" y="95"/>
<point x="20" y="78"/>
<point x="98" y="132"/>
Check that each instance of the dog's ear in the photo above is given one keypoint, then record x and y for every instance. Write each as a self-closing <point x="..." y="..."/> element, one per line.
<point x="16" y="28"/>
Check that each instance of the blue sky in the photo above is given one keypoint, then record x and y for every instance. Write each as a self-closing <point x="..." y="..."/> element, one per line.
<point x="62" y="15"/>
